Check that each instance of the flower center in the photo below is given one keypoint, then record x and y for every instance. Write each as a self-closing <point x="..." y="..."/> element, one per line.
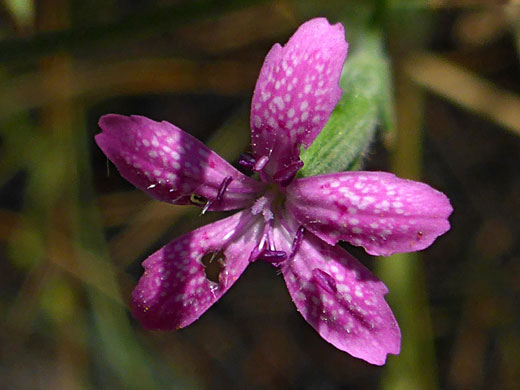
<point x="282" y="177"/>
<point x="269" y="206"/>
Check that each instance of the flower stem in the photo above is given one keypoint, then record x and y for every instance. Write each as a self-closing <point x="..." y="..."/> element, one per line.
<point x="415" y="367"/>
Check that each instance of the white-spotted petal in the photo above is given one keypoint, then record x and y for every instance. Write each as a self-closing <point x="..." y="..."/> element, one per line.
<point x="340" y="298"/>
<point x="376" y="210"/>
<point x="174" y="290"/>
<point x="296" y="91"/>
<point x="171" y="165"/>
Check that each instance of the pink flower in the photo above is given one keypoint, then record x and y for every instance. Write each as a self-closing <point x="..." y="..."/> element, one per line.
<point x="290" y="222"/>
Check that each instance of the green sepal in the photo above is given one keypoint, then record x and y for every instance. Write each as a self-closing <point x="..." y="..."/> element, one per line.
<point x="365" y="103"/>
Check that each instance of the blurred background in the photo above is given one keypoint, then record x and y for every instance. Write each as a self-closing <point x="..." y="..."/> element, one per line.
<point x="73" y="232"/>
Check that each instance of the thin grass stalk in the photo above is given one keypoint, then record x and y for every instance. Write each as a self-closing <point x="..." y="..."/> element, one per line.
<point x="415" y="367"/>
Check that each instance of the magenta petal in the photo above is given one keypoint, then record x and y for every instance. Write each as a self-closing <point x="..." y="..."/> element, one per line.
<point x="174" y="290"/>
<point x="340" y="298"/>
<point x="296" y="91"/>
<point x="375" y="210"/>
<point x="170" y="164"/>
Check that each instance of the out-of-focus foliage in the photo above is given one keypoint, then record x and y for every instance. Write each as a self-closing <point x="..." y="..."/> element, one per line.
<point x="22" y="12"/>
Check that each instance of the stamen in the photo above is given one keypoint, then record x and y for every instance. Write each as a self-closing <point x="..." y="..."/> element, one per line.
<point x="247" y="161"/>
<point x="255" y="254"/>
<point x="259" y="205"/>
<point x="261" y="163"/>
<point x="223" y="186"/>
<point x="273" y="256"/>
<point x="206" y="207"/>
<point x="297" y="241"/>
<point x="325" y="281"/>
<point x="286" y="175"/>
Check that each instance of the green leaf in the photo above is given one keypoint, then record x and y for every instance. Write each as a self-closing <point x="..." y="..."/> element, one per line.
<point x="366" y="101"/>
<point x="22" y="11"/>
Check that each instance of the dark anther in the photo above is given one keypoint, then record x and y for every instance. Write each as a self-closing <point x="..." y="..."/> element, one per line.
<point x="273" y="256"/>
<point x="324" y="280"/>
<point x="223" y="186"/>
<point x="213" y="263"/>
<point x="285" y="175"/>
<point x="198" y="200"/>
<point x="297" y="241"/>
<point x="247" y="161"/>
<point x="201" y="201"/>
